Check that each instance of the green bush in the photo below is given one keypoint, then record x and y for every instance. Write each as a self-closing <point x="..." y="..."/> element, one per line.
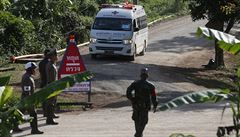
<point x="17" y="35"/>
<point x="32" y="26"/>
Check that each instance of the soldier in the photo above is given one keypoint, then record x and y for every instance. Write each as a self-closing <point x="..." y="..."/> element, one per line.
<point x="141" y="93"/>
<point x="28" y="87"/>
<point x="51" y="72"/>
<point x="42" y="70"/>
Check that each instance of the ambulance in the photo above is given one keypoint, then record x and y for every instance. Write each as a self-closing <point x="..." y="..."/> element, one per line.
<point x="119" y="29"/>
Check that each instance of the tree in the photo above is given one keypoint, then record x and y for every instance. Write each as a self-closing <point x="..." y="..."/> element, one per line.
<point x="4" y="4"/>
<point x="217" y="12"/>
<point x="231" y="44"/>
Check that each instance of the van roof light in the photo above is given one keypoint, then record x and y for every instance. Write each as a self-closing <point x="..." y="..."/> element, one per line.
<point x="125" y="5"/>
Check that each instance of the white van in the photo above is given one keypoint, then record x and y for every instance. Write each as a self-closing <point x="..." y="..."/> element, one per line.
<point x="119" y="29"/>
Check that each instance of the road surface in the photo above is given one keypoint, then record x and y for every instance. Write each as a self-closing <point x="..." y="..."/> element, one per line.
<point x="173" y="51"/>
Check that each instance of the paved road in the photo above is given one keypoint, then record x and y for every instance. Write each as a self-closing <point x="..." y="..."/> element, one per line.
<point x="172" y="48"/>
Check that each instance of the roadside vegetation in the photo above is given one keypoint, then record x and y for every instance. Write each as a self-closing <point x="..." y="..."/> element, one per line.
<point x="9" y="106"/>
<point x="230" y="44"/>
<point x="31" y="26"/>
<point x="221" y="15"/>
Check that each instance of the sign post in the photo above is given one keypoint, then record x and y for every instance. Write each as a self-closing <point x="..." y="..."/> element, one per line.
<point x="72" y="63"/>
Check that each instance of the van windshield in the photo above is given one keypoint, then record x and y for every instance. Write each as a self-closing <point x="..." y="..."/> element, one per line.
<point x="113" y="24"/>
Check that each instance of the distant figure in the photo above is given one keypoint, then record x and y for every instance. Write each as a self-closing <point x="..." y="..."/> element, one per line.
<point x="43" y="76"/>
<point x="211" y="64"/>
<point x="141" y="93"/>
<point x="51" y="72"/>
<point x="28" y="87"/>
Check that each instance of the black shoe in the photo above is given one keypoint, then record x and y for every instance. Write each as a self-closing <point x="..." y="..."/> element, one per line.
<point x="55" y="116"/>
<point x="36" y="132"/>
<point x="17" y="130"/>
<point x="51" y="123"/>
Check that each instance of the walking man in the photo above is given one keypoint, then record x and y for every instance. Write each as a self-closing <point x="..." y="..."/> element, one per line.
<point x="43" y="76"/>
<point x="28" y="87"/>
<point x="51" y="72"/>
<point x="141" y="93"/>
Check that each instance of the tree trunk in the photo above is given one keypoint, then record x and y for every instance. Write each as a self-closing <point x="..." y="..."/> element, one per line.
<point x="230" y="25"/>
<point x="219" y="55"/>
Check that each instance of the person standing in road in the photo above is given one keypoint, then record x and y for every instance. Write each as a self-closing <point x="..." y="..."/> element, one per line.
<point x="28" y="87"/>
<point x="51" y="73"/>
<point x="42" y="70"/>
<point x="141" y="93"/>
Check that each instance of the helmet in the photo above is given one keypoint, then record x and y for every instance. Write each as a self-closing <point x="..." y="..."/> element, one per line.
<point x="52" y="52"/>
<point x="30" y="65"/>
<point x="46" y="52"/>
<point x="144" y="71"/>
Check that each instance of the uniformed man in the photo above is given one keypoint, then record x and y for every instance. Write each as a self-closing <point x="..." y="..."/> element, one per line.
<point x="141" y="93"/>
<point x="43" y="76"/>
<point x="28" y="87"/>
<point x="51" y="73"/>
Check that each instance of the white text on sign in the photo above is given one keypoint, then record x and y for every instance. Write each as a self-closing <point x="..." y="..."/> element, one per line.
<point x="73" y="69"/>
<point x="72" y="58"/>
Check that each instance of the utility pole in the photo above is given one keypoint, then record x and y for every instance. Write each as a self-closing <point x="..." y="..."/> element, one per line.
<point x="135" y="2"/>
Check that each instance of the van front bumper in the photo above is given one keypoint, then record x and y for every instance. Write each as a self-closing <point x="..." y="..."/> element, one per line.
<point x="109" y="49"/>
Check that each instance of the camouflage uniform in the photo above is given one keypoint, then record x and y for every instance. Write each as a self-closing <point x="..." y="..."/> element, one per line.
<point x="141" y="103"/>
<point x="43" y="77"/>
<point x="51" y="72"/>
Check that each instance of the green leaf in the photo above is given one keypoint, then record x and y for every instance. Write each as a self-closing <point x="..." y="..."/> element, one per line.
<point x="196" y="97"/>
<point x="226" y="41"/>
<point x="53" y="89"/>
<point x="218" y="35"/>
<point x="4" y="80"/>
<point x="5" y="95"/>
<point x="232" y="48"/>
<point x="223" y="111"/>
<point x="19" y="115"/>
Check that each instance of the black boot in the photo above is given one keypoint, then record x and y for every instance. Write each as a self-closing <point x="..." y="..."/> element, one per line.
<point x="50" y="121"/>
<point x="36" y="131"/>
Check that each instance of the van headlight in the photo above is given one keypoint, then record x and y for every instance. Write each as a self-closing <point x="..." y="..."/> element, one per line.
<point x="93" y="40"/>
<point x="127" y="42"/>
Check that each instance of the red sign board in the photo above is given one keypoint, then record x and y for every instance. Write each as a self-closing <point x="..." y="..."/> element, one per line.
<point x="72" y="62"/>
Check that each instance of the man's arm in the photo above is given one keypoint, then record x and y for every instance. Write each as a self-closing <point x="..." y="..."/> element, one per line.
<point x="50" y="71"/>
<point x="27" y="86"/>
<point x="129" y="92"/>
<point x="154" y="98"/>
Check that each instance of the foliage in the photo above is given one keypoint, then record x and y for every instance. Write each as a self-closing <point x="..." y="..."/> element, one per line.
<point x="191" y="98"/>
<point x="9" y="111"/>
<point x="159" y="8"/>
<point x="4" y="4"/>
<point x="16" y="34"/>
<point x="231" y="95"/>
<point x="214" y="9"/>
<point x="32" y="26"/>
<point x="226" y="41"/>
<point x="218" y="12"/>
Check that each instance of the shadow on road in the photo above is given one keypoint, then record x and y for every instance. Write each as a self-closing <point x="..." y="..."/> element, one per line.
<point x="179" y="44"/>
<point x="115" y="68"/>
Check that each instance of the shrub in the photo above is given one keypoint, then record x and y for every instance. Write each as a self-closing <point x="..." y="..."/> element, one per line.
<point x="17" y="35"/>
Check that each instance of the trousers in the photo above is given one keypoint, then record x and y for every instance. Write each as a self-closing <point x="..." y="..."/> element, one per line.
<point x="140" y="118"/>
